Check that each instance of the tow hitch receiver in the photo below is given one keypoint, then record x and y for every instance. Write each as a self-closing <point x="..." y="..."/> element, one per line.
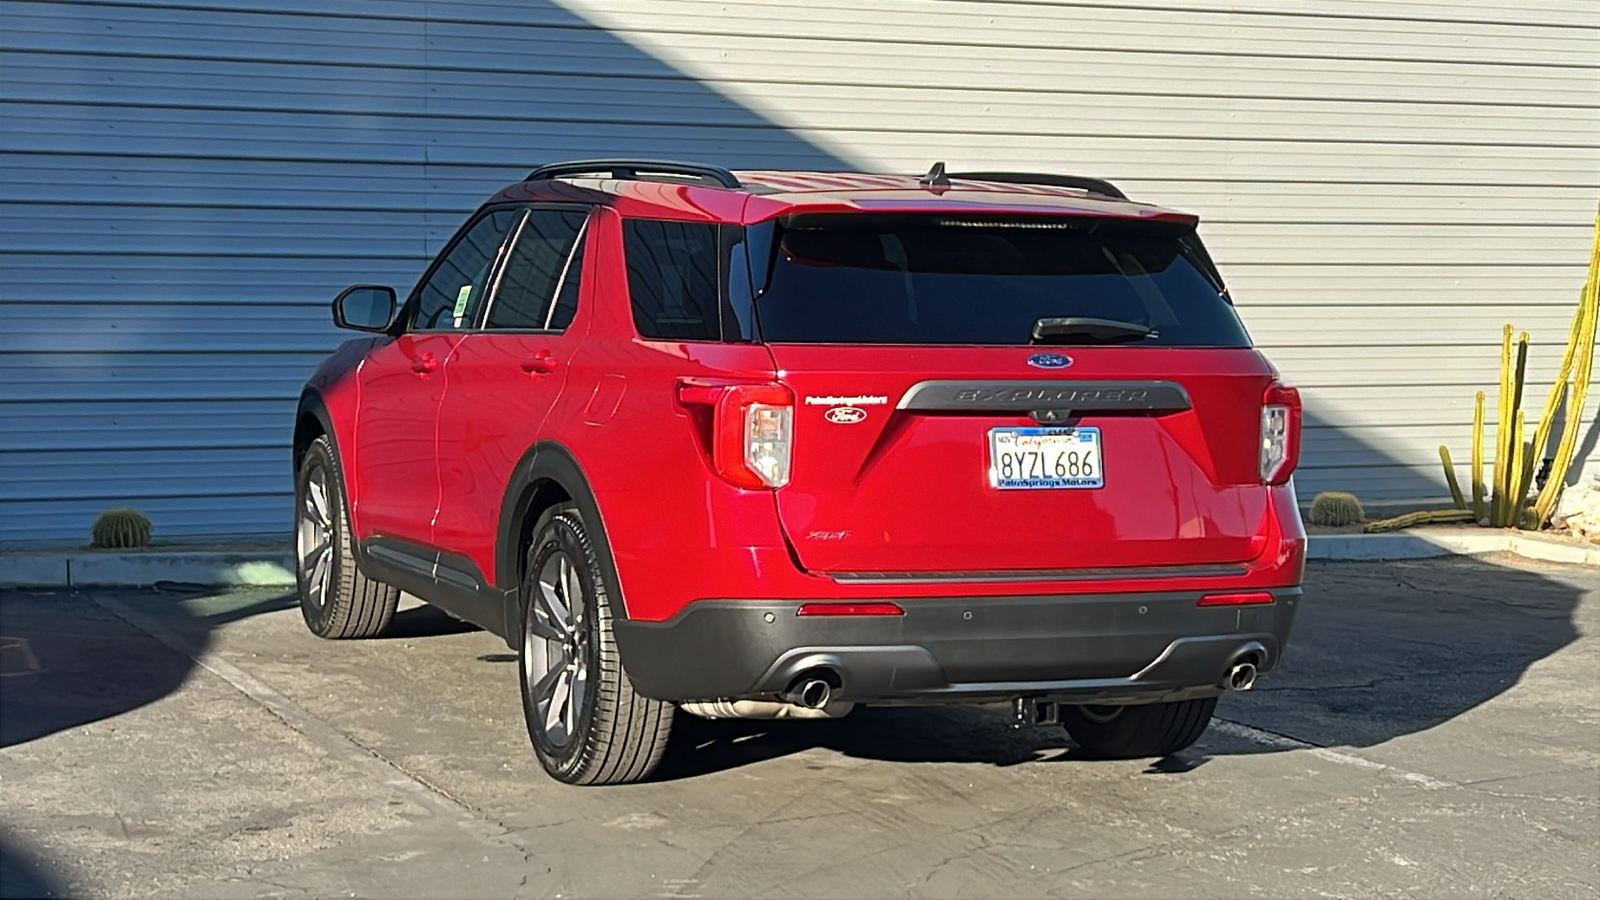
<point x="1034" y="711"/>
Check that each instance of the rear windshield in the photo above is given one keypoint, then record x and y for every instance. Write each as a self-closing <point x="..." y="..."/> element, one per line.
<point x="922" y="279"/>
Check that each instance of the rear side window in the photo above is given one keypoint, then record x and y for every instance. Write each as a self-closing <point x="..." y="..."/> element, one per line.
<point x="672" y="279"/>
<point x="922" y="279"/>
<point x="546" y="258"/>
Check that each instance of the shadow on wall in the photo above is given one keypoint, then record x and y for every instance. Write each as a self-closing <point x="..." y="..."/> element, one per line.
<point x="1379" y="651"/>
<point x="249" y="190"/>
<point x="273" y="174"/>
<point x="1335" y="458"/>
<point x="1586" y="452"/>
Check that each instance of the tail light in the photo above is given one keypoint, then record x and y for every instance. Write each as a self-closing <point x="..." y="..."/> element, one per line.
<point x="752" y="431"/>
<point x="1280" y="433"/>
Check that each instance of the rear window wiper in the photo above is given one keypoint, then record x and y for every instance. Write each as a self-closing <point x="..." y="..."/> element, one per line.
<point x="1087" y="330"/>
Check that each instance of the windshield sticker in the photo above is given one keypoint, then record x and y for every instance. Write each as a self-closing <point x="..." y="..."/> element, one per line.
<point x="463" y="297"/>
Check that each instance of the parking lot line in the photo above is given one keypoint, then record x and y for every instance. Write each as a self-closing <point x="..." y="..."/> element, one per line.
<point x="1284" y="742"/>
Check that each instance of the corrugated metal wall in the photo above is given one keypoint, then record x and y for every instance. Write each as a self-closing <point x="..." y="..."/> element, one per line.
<point x="184" y="187"/>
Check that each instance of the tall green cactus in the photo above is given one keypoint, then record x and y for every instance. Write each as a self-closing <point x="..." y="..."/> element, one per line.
<point x="1517" y="453"/>
<point x="1479" y="489"/>
<point x="1450" y="477"/>
<point x="1580" y="346"/>
<point x="1502" y="451"/>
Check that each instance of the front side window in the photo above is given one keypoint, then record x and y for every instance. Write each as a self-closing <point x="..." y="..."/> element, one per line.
<point x="448" y="298"/>
<point x="672" y="279"/>
<point x="538" y="287"/>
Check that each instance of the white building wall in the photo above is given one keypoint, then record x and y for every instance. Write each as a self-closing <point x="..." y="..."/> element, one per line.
<point x="184" y="187"/>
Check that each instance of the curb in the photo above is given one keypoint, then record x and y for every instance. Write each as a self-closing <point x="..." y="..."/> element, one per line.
<point x="211" y="567"/>
<point x="276" y="568"/>
<point x="1425" y="543"/>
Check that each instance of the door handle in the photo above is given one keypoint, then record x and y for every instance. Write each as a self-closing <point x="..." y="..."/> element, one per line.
<point x="424" y="364"/>
<point x="541" y="363"/>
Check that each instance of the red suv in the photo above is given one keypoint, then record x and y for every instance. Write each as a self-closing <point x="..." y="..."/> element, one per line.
<point x="771" y="444"/>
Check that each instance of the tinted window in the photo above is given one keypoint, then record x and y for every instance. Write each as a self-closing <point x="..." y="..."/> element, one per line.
<point x="937" y="280"/>
<point x="452" y="291"/>
<point x="541" y="261"/>
<point x="672" y="279"/>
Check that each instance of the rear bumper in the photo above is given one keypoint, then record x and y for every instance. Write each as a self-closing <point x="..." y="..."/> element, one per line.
<point x="1079" y="648"/>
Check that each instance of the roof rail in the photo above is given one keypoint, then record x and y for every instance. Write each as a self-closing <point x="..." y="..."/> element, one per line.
<point x="635" y="169"/>
<point x="1082" y="182"/>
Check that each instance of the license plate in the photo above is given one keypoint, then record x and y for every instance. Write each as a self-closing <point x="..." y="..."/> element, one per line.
<point x="1033" y="458"/>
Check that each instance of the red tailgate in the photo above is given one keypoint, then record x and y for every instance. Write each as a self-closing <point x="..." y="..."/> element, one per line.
<point x="889" y="477"/>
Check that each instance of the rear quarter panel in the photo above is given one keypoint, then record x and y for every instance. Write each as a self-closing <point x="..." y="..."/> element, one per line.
<point x="677" y="531"/>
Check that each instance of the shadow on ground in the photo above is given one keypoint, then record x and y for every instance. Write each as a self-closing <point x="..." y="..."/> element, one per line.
<point x="22" y="873"/>
<point x="1379" y="651"/>
<point x="423" y="622"/>
<point x="66" y="661"/>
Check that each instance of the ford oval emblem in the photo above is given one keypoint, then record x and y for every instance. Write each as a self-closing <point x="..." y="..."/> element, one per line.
<point x="1049" y="361"/>
<point x="845" y="415"/>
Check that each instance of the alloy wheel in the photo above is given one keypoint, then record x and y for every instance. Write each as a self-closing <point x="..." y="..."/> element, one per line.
<point x="314" y="536"/>
<point x="555" y="658"/>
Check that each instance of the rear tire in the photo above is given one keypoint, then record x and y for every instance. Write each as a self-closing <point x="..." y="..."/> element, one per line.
<point x="336" y="600"/>
<point x="585" y="721"/>
<point x="1132" y="732"/>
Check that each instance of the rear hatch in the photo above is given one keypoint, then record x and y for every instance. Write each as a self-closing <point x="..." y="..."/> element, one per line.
<point x="1010" y="397"/>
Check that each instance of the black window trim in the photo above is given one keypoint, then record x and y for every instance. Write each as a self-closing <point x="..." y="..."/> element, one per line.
<point x="408" y="310"/>
<point x="480" y="320"/>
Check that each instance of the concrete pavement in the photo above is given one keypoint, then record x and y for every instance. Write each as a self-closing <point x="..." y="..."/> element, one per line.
<point x="1433" y="732"/>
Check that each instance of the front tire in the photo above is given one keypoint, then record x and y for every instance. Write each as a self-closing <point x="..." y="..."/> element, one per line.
<point x="585" y="721"/>
<point x="336" y="600"/>
<point x="1132" y="732"/>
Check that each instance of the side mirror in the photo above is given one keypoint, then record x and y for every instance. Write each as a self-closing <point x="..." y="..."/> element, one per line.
<point x="364" y="307"/>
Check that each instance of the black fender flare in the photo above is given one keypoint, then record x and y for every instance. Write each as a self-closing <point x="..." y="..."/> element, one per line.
<point x="549" y="462"/>
<point x="311" y="404"/>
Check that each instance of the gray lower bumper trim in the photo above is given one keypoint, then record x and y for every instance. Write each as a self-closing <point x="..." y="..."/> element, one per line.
<point x="1129" y="647"/>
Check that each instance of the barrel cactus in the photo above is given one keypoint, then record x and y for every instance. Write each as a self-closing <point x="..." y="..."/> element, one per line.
<point x="121" y="529"/>
<point x="1336" y="508"/>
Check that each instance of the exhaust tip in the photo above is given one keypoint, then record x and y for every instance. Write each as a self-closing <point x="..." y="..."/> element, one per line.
<point x="1241" y="677"/>
<point x="813" y="694"/>
<point x="812" y="690"/>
